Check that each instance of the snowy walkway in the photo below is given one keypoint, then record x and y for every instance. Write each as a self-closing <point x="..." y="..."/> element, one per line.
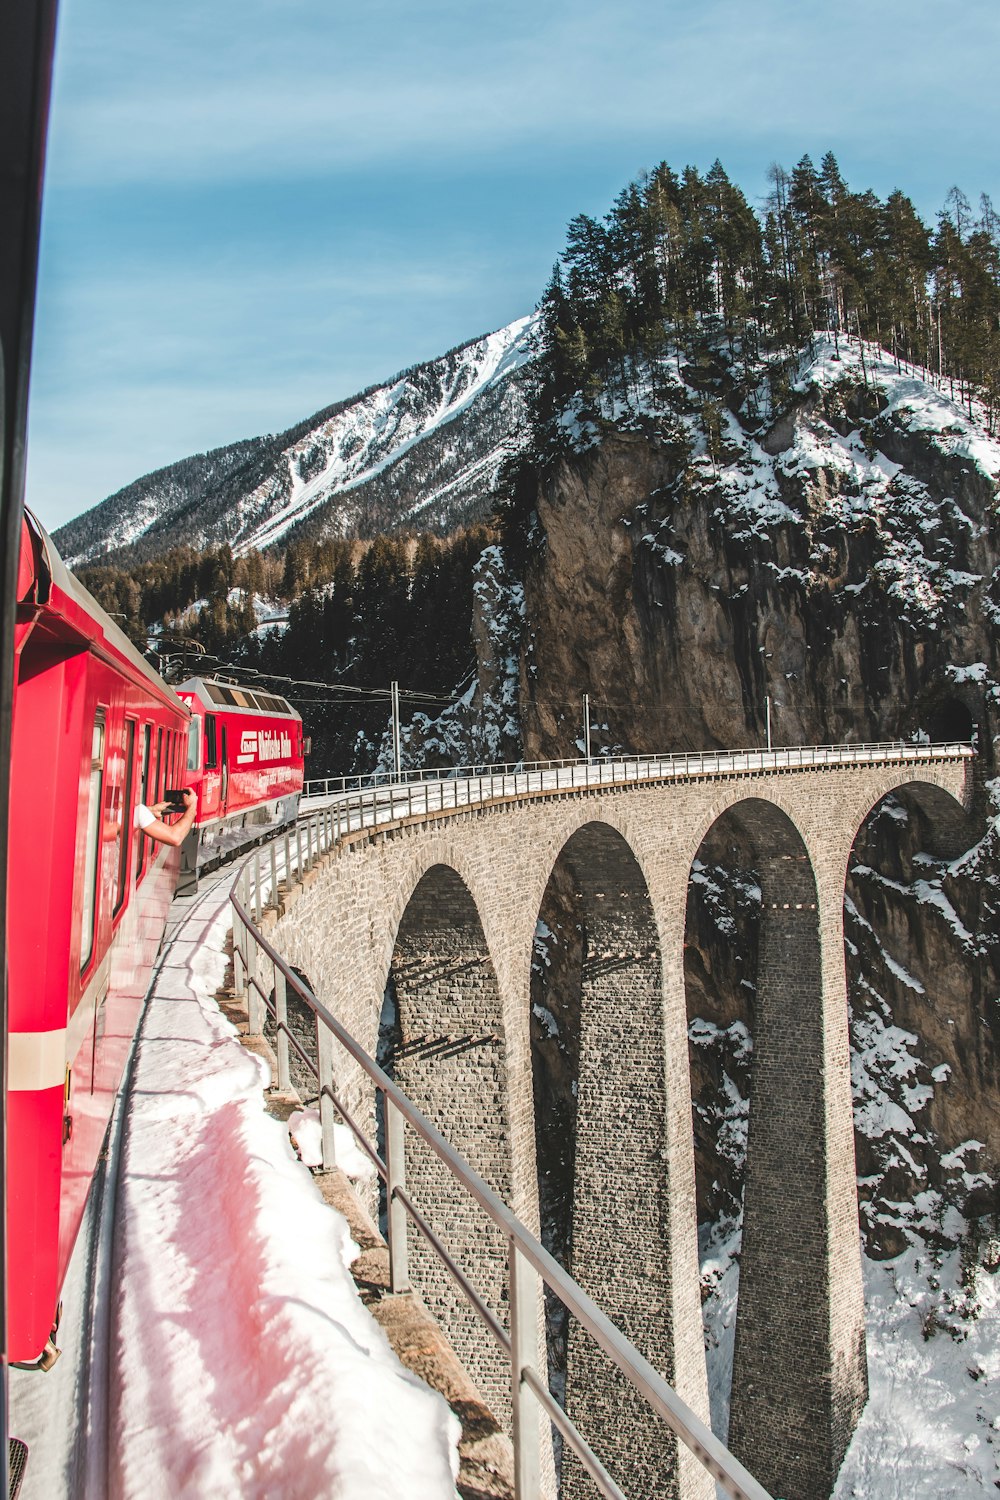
<point x="243" y="1363"/>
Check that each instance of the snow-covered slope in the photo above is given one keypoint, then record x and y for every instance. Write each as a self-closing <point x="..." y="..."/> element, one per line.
<point x="421" y="450"/>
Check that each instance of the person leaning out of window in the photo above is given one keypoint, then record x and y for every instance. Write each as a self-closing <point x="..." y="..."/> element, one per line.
<point x="152" y="819"/>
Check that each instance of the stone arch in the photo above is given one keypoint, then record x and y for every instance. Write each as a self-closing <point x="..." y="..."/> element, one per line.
<point x="620" y="1242"/>
<point x="798" y="1384"/>
<point x="947" y="821"/>
<point x="449" y="1057"/>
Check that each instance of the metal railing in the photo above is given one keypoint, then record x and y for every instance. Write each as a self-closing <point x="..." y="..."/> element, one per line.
<point x="529" y="1265"/>
<point x="264" y="977"/>
<point x="467" y="785"/>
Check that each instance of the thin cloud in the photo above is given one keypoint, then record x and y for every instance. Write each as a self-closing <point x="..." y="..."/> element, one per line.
<point x="300" y="89"/>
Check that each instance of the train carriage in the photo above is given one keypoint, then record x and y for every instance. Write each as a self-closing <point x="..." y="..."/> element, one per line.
<point x="95" y="731"/>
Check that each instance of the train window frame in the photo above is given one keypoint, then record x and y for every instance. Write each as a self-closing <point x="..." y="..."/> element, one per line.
<point x="93" y="841"/>
<point x="147" y="750"/>
<point x="194" y="743"/>
<point x="211" y="743"/>
<point x="160" y="766"/>
<point x="127" y="802"/>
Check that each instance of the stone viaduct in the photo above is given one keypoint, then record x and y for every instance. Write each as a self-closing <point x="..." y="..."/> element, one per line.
<point x="444" y="907"/>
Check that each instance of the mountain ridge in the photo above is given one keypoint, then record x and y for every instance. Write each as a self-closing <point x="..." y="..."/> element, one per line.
<point x="358" y="467"/>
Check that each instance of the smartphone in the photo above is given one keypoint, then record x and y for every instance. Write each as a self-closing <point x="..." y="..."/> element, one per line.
<point x="174" y="797"/>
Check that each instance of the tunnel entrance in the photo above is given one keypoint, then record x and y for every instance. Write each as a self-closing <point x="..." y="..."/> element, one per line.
<point x="948" y="721"/>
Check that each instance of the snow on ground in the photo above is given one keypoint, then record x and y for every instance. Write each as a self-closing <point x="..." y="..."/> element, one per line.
<point x="931" y="1429"/>
<point x="246" y="1364"/>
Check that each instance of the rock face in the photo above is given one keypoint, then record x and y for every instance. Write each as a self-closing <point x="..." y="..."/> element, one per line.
<point x="841" y="561"/>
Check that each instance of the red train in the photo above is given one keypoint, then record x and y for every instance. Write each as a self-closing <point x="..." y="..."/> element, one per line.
<point x="94" y="730"/>
<point x="245" y="760"/>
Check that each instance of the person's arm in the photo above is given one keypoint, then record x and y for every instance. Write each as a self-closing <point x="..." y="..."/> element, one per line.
<point x="173" y="833"/>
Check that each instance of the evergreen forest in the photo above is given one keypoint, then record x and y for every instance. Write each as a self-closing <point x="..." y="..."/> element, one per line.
<point x="360" y="615"/>
<point x="684" y="257"/>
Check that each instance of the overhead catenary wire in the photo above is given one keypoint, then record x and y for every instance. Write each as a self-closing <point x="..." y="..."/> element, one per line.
<point x="346" y="691"/>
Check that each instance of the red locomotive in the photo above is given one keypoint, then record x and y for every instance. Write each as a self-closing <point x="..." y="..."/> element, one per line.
<point x="95" y="731"/>
<point x="245" y="759"/>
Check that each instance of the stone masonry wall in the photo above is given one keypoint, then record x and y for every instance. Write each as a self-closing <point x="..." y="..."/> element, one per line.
<point x="450" y="1062"/>
<point x="621" y="1118"/>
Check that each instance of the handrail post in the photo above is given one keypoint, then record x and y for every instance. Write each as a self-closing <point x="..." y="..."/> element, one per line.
<point x="258" y="899"/>
<point x="324" y="1064"/>
<point x="288" y="859"/>
<point x="239" y="966"/>
<point x="281" y="1038"/>
<point x="273" y="851"/>
<point x="298" y="853"/>
<point x="255" y="1005"/>
<point x="395" y="1181"/>
<point x="524" y="1351"/>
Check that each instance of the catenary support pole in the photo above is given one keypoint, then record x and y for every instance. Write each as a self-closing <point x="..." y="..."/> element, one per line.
<point x="396" y="756"/>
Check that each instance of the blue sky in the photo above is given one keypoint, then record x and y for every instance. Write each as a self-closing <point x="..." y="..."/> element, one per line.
<point x="254" y="209"/>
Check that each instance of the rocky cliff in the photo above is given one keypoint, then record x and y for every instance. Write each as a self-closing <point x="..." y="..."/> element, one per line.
<point x="839" y="558"/>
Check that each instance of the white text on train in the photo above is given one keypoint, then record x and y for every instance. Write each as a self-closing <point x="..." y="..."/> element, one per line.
<point x="263" y="744"/>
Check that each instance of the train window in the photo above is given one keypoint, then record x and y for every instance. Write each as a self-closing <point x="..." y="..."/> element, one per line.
<point x="160" y="766"/>
<point x="93" y="847"/>
<point x="126" y="815"/>
<point x="194" y="745"/>
<point x="211" y="752"/>
<point x="147" y="745"/>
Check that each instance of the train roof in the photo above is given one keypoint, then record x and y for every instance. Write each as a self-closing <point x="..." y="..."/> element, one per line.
<point x="63" y="593"/>
<point x="235" y="697"/>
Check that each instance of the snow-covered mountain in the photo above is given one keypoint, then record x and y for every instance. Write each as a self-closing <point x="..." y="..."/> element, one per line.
<point x="420" y="451"/>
